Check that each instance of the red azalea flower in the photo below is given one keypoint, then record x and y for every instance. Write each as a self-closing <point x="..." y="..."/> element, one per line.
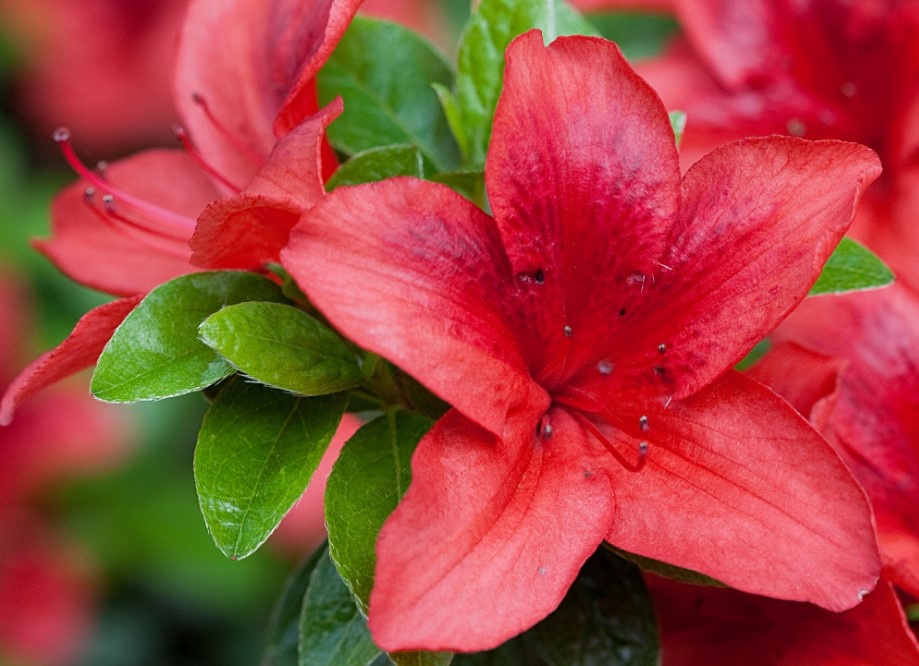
<point x="95" y="59"/>
<point x="824" y="69"/>
<point x="585" y="338"/>
<point x="127" y="227"/>
<point x="861" y="390"/>
<point x="701" y="626"/>
<point x="46" y="588"/>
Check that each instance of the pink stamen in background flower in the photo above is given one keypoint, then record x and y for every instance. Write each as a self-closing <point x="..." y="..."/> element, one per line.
<point x="257" y="158"/>
<point x="195" y="154"/>
<point x="153" y="221"/>
<point x="109" y="215"/>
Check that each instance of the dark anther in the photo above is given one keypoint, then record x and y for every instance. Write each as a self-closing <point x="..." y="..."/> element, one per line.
<point x="567" y="331"/>
<point x="662" y="348"/>
<point x="622" y="312"/>
<point x="659" y="370"/>
<point x="643" y="423"/>
<point x="539" y="277"/>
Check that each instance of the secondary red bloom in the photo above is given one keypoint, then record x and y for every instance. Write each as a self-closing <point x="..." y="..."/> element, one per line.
<point x="46" y="592"/>
<point x="92" y="61"/>
<point x="861" y="390"/>
<point x="585" y="332"/>
<point x="132" y="225"/>
<point x="707" y="625"/>
<point x="822" y="69"/>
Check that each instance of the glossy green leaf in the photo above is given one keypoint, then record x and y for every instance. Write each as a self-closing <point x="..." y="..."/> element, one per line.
<point x="638" y="35"/>
<point x="282" y="346"/>
<point x="376" y="164"/>
<point x="481" y="63"/>
<point x="759" y="350"/>
<point x="284" y="625"/>
<point x="332" y="630"/>
<point x="851" y="267"/>
<point x="606" y="619"/>
<point x="678" y="124"/>
<point x="388" y="100"/>
<point x="369" y="478"/>
<point x="664" y="569"/>
<point x="257" y="450"/>
<point x="156" y="353"/>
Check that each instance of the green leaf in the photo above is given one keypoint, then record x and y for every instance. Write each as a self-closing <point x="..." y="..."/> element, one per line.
<point x="376" y="164"/>
<point x="369" y="478"/>
<point x="606" y="619"/>
<point x="759" y="350"/>
<point x="282" y="346"/>
<point x="284" y="625"/>
<point x="257" y="450"/>
<point x="638" y="35"/>
<point x="388" y="100"/>
<point x="481" y="62"/>
<point x="851" y="267"/>
<point x="664" y="569"/>
<point x="678" y="124"/>
<point x="156" y="353"/>
<point x="332" y="630"/>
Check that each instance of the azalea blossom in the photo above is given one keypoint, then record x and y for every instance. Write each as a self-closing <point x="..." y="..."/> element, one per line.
<point x="127" y="227"/>
<point x="47" y="582"/>
<point x="710" y="625"/>
<point x="91" y="61"/>
<point x="861" y="390"/>
<point x="585" y="337"/>
<point x="823" y="69"/>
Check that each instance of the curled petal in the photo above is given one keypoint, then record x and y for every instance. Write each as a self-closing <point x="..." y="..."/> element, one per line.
<point x="249" y="229"/>
<point x="79" y="350"/>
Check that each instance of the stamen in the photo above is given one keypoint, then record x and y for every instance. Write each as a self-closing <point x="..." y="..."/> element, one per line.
<point x="605" y="367"/>
<point x="240" y="146"/>
<point x="567" y="331"/>
<point x="139" y="232"/>
<point x="176" y="226"/>
<point x="643" y="423"/>
<point x="595" y="431"/>
<point x="662" y="348"/>
<point x="544" y="429"/>
<point x="183" y="138"/>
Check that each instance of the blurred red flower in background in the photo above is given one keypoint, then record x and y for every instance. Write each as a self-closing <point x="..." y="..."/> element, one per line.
<point x="824" y="69"/>
<point x="47" y="583"/>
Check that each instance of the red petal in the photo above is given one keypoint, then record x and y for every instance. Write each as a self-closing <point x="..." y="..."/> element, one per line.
<point x="249" y="61"/>
<point x="489" y="536"/>
<point x="80" y="350"/>
<point x="707" y="625"/>
<point x="416" y="273"/>
<point x="250" y="228"/>
<point x="800" y="376"/>
<point x="584" y="186"/>
<point x="737" y="486"/>
<point x="47" y="597"/>
<point x="111" y="256"/>
<point x="757" y="222"/>
<point x="874" y="421"/>
<point x="314" y="30"/>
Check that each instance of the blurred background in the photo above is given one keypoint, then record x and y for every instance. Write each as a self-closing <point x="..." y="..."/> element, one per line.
<point x="104" y="556"/>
